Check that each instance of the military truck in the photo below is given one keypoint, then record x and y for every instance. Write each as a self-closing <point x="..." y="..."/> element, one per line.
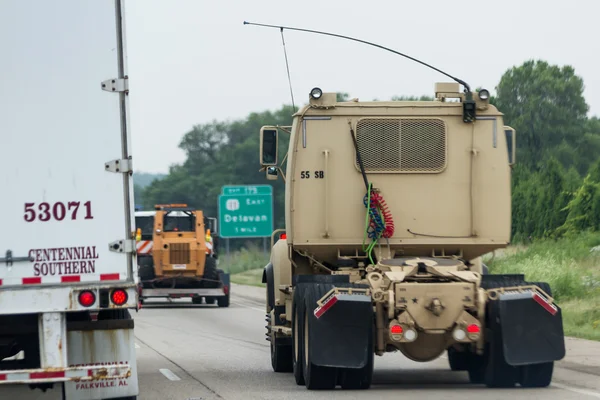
<point x="389" y="208"/>
<point x="176" y="256"/>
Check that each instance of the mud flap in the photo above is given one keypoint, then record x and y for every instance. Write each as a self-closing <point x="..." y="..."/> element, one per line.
<point x="340" y="331"/>
<point x="532" y="329"/>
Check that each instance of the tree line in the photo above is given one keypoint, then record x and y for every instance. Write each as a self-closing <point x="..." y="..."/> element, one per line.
<point x="555" y="183"/>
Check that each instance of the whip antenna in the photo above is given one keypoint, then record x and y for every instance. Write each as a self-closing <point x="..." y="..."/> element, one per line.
<point x="460" y="81"/>
<point x="288" y="70"/>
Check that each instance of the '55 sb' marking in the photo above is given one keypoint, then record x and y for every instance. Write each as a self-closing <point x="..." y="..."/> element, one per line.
<point x="316" y="175"/>
<point x="58" y="211"/>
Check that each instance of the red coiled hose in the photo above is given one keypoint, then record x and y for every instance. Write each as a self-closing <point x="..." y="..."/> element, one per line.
<point x="377" y="201"/>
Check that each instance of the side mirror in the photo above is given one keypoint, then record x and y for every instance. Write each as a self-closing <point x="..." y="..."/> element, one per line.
<point x="272" y="173"/>
<point x="268" y="145"/>
<point x="511" y="144"/>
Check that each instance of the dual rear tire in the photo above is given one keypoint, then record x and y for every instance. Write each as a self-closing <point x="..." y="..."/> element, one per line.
<point x="491" y="368"/>
<point x="306" y="373"/>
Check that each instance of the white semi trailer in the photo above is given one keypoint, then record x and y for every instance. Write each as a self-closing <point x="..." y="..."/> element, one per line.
<point x="67" y="245"/>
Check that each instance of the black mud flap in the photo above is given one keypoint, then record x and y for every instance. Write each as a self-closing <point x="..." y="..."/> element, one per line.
<point x="532" y="329"/>
<point x="340" y="330"/>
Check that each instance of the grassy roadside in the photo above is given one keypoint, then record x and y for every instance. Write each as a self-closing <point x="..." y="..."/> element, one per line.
<point x="568" y="265"/>
<point x="245" y="266"/>
<point x="571" y="269"/>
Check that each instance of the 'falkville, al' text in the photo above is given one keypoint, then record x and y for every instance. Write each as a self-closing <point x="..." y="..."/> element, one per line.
<point x="64" y="260"/>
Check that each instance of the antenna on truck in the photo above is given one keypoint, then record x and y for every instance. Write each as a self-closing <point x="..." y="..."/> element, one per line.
<point x="281" y="28"/>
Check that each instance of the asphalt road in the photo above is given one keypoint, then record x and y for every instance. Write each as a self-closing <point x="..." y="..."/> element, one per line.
<point x="201" y="352"/>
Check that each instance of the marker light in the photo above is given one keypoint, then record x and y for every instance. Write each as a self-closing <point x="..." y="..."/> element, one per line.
<point x="119" y="297"/>
<point x="283" y="236"/>
<point x="396" y="330"/>
<point x="87" y="298"/>
<point x="473" y="328"/>
<point x="316" y="93"/>
<point x="410" y="335"/>
<point x="459" y="334"/>
<point x="484" y="94"/>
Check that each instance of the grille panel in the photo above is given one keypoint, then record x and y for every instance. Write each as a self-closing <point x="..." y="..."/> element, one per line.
<point x="179" y="253"/>
<point x="402" y="144"/>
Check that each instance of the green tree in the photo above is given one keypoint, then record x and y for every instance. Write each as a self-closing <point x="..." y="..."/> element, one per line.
<point x="545" y="104"/>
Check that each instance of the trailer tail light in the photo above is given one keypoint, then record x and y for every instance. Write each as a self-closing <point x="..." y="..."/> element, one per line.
<point x="119" y="297"/>
<point x="473" y="329"/>
<point x="87" y="298"/>
<point x="396" y="330"/>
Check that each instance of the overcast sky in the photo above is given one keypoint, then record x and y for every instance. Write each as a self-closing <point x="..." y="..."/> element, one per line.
<point x="193" y="61"/>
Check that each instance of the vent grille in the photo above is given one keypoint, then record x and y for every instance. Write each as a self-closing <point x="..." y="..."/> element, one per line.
<point x="401" y="145"/>
<point x="179" y="253"/>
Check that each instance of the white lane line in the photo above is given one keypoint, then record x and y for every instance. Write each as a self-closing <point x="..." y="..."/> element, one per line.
<point x="169" y="374"/>
<point x="576" y="390"/>
<point x="262" y="310"/>
<point x="137" y="346"/>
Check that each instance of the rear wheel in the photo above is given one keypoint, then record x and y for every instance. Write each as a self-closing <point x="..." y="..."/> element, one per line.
<point x="146" y="269"/>
<point x="223" y="301"/>
<point x="298" y="336"/>
<point x="281" y="354"/>
<point x="476" y="368"/>
<point x="458" y="360"/>
<point x="211" y="273"/>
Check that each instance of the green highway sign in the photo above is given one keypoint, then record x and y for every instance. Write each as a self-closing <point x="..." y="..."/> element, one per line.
<point x="244" y="215"/>
<point x="247" y="189"/>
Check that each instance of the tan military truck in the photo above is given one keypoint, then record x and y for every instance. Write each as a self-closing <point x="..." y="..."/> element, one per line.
<point x="389" y="208"/>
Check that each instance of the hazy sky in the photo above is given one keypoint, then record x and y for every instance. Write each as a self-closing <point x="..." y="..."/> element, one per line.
<point x="193" y="61"/>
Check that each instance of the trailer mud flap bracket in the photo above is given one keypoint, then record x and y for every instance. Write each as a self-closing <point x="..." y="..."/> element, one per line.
<point x="532" y="328"/>
<point x="341" y="330"/>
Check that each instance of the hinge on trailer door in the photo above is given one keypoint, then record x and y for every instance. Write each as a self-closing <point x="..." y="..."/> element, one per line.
<point x="9" y="259"/>
<point x="122" y="246"/>
<point x="122" y="166"/>
<point x="116" y="85"/>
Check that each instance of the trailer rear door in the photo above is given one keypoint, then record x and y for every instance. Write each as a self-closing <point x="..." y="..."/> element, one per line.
<point x="63" y="200"/>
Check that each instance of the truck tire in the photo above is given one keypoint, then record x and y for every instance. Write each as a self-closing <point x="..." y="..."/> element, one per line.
<point x="223" y="301"/>
<point x="315" y="377"/>
<point x="281" y="355"/>
<point x="211" y="273"/>
<point x="458" y="360"/>
<point x="146" y="269"/>
<point x="537" y="375"/>
<point x="298" y="334"/>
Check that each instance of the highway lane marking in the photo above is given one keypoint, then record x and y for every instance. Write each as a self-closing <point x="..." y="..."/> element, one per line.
<point x="169" y="374"/>
<point x="580" y="391"/>
<point x="252" y="308"/>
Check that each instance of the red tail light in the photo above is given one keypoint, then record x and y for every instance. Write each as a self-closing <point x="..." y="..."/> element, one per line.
<point x="283" y="236"/>
<point x="119" y="297"/>
<point x="473" y="328"/>
<point x="396" y="330"/>
<point x="87" y="298"/>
